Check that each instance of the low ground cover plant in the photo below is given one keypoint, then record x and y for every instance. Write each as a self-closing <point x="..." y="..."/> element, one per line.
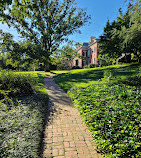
<point x="22" y="115"/>
<point x="112" y="113"/>
<point x="109" y="100"/>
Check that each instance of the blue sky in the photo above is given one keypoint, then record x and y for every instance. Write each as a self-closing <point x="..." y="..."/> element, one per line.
<point x="100" y="11"/>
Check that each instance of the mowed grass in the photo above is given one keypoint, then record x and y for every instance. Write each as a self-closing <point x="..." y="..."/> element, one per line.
<point x="86" y="77"/>
<point x="42" y="73"/>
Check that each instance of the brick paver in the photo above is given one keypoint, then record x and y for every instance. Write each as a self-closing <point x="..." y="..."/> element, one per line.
<point x="66" y="136"/>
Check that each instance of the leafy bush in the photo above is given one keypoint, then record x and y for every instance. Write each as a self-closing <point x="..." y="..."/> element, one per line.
<point x="76" y="67"/>
<point x="92" y="65"/>
<point x="17" y="136"/>
<point x="86" y="66"/>
<point x="13" y="84"/>
<point x="133" y="81"/>
<point x="110" y="74"/>
<point x="112" y="113"/>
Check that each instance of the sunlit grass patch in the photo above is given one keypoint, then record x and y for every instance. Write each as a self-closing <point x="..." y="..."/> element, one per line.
<point x="86" y="77"/>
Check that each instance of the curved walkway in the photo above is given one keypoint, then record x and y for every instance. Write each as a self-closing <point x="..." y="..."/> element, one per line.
<point x="66" y="136"/>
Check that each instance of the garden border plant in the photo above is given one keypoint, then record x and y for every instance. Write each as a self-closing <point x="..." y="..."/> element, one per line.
<point x="112" y="113"/>
<point x="110" y="107"/>
<point x="22" y="115"/>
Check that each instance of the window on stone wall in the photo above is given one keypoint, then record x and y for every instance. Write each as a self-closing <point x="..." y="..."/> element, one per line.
<point x="88" y="53"/>
<point x="83" y="53"/>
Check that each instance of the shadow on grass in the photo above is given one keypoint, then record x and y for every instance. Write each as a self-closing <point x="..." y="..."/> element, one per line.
<point x="66" y="81"/>
<point x="52" y="72"/>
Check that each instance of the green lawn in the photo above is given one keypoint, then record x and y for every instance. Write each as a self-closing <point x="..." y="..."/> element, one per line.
<point x="86" y="77"/>
<point x="43" y="73"/>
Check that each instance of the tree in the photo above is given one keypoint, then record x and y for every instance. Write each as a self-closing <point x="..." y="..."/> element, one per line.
<point x="6" y="46"/>
<point x="109" y="46"/>
<point x="46" y="22"/>
<point x="111" y="41"/>
<point x="4" y="4"/>
<point x="20" y="55"/>
<point x="132" y="35"/>
<point x="63" y="58"/>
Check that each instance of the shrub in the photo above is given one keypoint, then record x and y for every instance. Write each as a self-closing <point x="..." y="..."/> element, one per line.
<point x="76" y="67"/>
<point x="86" y="66"/>
<point x="21" y="122"/>
<point x="21" y="128"/>
<point x="112" y="113"/>
<point x="110" y="74"/>
<point x="92" y="65"/>
<point x="13" y="84"/>
<point x="133" y="81"/>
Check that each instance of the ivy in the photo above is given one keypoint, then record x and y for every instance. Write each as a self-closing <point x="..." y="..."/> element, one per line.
<point x="112" y="113"/>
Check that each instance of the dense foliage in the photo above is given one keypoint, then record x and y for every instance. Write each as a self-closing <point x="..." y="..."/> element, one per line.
<point x="112" y="113"/>
<point x="109" y="100"/>
<point x="123" y="36"/>
<point x="64" y="57"/>
<point x="12" y="84"/>
<point x="47" y="23"/>
<point x="22" y="114"/>
<point x="22" y="55"/>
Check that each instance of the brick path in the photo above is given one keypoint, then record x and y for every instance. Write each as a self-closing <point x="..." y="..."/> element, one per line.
<point x="66" y="136"/>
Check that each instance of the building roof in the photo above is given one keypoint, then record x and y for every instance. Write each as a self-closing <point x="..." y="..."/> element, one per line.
<point x="88" y="44"/>
<point x="85" y="44"/>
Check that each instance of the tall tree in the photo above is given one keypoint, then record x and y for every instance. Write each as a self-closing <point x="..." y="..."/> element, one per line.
<point x="132" y="35"/>
<point x="111" y="42"/>
<point x="18" y="54"/>
<point x="46" y="22"/>
<point x="4" y="4"/>
<point x="63" y="58"/>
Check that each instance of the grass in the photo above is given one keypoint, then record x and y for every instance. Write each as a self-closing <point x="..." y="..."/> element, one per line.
<point x="86" y="77"/>
<point x="43" y="73"/>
